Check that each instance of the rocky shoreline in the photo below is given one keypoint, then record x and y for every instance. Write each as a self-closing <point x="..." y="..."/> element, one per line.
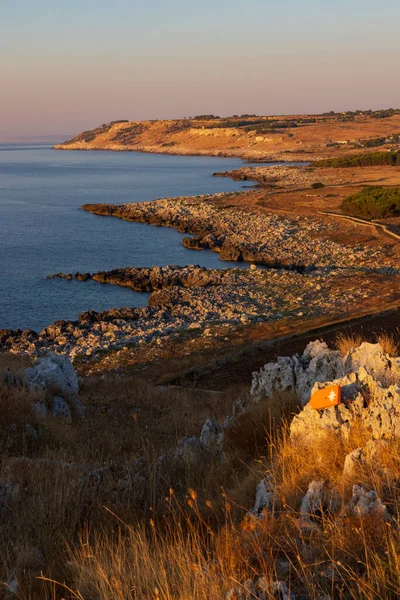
<point x="192" y="300"/>
<point x="304" y="274"/>
<point x="245" y="235"/>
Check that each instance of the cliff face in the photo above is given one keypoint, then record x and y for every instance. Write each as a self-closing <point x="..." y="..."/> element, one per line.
<point x="279" y="138"/>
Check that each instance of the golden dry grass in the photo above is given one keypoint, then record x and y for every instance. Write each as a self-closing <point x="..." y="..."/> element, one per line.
<point x="69" y="531"/>
<point x="388" y="342"/>
<point x="347" y="341"/>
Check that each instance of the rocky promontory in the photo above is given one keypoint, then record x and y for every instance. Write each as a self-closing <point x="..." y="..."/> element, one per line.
<point x="251" y="137"/>
<point x="241" y="234"/>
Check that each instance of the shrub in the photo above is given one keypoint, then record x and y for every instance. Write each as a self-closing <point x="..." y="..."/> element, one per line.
<point x="347" y="341"/>
<point x="361" y="160"/>
<point x="373" y="142"/>
<point x="205" y="117"/>
<point x="317" y="185"/>
<point x="373" y="203"/>
<point x="388" y="342"/>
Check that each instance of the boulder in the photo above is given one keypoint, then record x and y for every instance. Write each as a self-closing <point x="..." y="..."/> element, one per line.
<point x="374" y="360"/>
<point x="211" y="435"/>
<point x="374" y="406"/>
<point x="299" y="373"/>
<point x="262" y="589"/>
<point x="60" y="409"/>
<point x="353" y="464"/>
<point x="274" y="377"/>
<point x="55" y="375"/>
<point x="321" y="499"/>
<point x="368" y="458"/>
<point x="54" y="372"/>
<point x="319" y="364"/>
<point x="367" y="502"/>
<point x="265" y="497"/>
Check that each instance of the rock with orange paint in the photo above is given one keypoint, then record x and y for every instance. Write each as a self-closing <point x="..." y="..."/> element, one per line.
<point x="320" y="365"/>
<point x="372" y="404"/>
<point x="299" y="373"/>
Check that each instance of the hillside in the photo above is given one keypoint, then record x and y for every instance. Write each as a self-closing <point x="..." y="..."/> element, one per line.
<point x="112" y="488"/>
<point x="296" y="137"/>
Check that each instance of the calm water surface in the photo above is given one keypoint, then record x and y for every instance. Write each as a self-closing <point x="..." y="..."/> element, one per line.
<point x="43" y="230"/>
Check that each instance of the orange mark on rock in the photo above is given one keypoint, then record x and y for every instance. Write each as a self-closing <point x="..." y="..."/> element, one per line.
<point x="329" y="396"/>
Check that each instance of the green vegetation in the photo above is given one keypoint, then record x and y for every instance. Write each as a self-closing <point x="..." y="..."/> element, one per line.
<point x="317" y="185"/>
<point x="127" y="135"/>
<point x="258" y="125"/>
<point x="393" y="138"/>
<point x="361" y="160"/>
<point x="205" y="117"/>
<point x="375" y="114"/>
<point x="373" y="142"/>
<point x="373" y="203"/>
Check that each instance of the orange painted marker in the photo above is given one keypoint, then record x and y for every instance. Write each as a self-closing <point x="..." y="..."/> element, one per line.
<point x="329" y="396"/>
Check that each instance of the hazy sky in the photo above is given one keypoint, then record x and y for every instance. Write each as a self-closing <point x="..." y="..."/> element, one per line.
<point x="69" y="65"/>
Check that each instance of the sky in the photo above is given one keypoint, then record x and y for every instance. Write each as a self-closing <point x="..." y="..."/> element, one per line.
<point x="70" y="65"/>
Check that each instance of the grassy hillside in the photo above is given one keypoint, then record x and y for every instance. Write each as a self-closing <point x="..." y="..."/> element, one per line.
<point x="77" y="523"/>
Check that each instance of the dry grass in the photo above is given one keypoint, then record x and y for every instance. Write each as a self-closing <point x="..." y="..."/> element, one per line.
<point x="388" y="342"/>
<point x="72" y="531"/>
<point x="348" y="341"/>
<point x="200" y="555"/>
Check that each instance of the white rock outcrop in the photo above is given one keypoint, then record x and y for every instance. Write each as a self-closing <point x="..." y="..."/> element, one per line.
<point x="54" y="371"/>
<point x="367" y="502"/>
<point x="299" y="373"/>
<point x="320" y="499"/>
<point x="319" y="364"/>
<point x="370" y="403"/>
<point x="265" y="497"/>
<point x="55" y="375"/>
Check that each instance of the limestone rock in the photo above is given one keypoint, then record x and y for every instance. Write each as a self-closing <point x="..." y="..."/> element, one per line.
<point x="373" y="359"/>
<point x="367" y="502"/>
<point x="190" y="450"/>
<point x="261" y="589"/>
<point x="353" y="463"/>
<point x="274" y="377"/>
<point x="59" y="408"/>
<point x="211" y="435"/>
<point x="265" y="497"/>
<point x="319" y="364"/>
<point x="321" y="499"/>
<point x="54" y="372"/>
<point x="337" y="419"/>
<point x="299" y="373"/>
<point x="368" y="457"/>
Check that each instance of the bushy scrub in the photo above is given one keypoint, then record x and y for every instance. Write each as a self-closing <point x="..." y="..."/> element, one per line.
<point x="373" y="203"/>
<point x="371" y="159"/>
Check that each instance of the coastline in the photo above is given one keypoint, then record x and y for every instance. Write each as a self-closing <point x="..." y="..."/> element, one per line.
<point x="280" y="226"/>
<point x="306" y="274"/>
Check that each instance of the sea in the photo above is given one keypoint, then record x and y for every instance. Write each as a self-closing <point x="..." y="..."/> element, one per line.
<point x="43" y="229"/>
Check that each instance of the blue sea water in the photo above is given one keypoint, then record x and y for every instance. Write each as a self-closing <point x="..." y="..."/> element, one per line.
<point x="44" y="231"/>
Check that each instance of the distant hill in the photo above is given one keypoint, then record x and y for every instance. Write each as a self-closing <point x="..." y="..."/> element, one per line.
<point x="293" y="137"/>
